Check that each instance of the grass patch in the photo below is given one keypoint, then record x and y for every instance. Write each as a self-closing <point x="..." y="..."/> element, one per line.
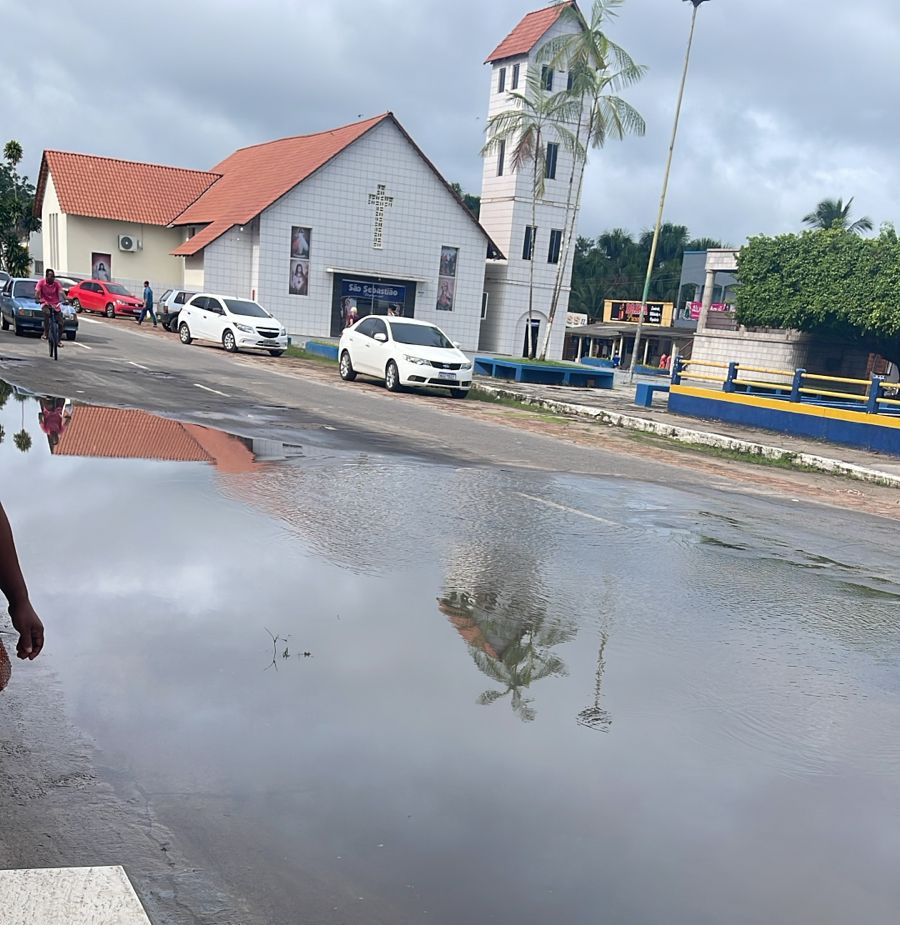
<point x="298" y="353"/>
<point x="787" y="461"/>
<point x="565" y="363"/>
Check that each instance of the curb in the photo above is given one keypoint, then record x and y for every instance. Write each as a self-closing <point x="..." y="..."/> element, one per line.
<point x="697" y="437"/>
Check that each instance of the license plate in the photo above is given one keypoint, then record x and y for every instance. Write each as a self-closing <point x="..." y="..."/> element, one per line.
<point x="447" y="376"/>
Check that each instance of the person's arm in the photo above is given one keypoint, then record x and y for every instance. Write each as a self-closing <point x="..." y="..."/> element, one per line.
<point x="12" y="584"/>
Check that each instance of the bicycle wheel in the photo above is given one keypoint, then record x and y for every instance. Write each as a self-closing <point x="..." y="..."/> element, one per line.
<point x="53" y="340"/>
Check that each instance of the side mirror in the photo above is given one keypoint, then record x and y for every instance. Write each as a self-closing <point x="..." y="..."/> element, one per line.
<point x="458" y="346"/>
<point x="381" y="337"/>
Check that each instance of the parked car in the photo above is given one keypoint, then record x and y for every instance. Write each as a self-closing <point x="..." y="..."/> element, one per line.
<point x="110" y="299"/>
<point x="236" y="324"/>
<point x="67" y="282"/>
<point x="404" y="352"/>
<point x="4" y="278"/>
<point x="20" y="310"/>
<point x="169" y="307"/>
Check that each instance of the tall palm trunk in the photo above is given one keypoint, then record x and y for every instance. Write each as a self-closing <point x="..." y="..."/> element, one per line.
<point x="569" y="226"/>
<point x="532" y="346"/>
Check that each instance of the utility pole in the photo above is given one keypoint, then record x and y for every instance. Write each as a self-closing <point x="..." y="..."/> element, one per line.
<point x="665" y="188"/>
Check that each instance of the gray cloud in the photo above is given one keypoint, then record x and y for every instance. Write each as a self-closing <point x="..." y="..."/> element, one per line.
<point x="786" y="103"/>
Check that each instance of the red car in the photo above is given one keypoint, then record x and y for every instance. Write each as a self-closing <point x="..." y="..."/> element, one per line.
<point x="111" y="299"/>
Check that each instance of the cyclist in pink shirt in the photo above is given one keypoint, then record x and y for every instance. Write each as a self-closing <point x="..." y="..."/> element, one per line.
<point x="49" y="295"/>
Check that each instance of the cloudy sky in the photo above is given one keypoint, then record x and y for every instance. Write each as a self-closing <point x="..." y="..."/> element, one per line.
<point x="788" y="101"/>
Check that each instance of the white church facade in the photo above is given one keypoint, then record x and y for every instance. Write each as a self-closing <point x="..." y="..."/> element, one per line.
<point x="314" y="225"/>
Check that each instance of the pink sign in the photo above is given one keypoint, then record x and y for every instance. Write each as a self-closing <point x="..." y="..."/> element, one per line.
<point x="715" y="307"/>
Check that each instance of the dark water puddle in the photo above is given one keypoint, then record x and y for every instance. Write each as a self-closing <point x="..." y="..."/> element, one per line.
<point x="388" y="691"/>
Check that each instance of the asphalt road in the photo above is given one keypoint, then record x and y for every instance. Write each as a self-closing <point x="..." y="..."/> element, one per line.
<point x="115" y="363"/>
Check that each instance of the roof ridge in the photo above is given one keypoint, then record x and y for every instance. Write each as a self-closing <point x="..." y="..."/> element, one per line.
<point x="126" y="160"/>
<point x="329" y="131"/>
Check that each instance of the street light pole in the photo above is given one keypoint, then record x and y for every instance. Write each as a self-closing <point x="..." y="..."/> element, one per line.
<point x="665" y="188"/>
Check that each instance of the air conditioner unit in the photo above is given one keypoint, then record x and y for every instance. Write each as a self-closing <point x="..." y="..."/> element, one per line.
<point x="128" y="243"/>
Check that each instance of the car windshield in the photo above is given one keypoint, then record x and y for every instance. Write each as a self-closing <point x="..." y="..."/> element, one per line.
<point x="116" y="289"/>
<point x="420" y="335"/>
<point x="243" y="307"/>
<point x="24" y="289"/>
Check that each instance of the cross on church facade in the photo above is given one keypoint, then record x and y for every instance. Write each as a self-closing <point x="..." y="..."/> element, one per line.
<point x="381" y="202"/>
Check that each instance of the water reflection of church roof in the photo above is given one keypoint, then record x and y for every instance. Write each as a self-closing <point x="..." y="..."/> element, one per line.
<point x="125" y="433"/>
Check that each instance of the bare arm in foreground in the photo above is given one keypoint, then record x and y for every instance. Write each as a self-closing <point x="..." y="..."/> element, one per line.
<point x="12" y="584"/>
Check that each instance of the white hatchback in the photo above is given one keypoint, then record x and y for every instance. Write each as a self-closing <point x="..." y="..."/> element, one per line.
<point x="236" y="324"/>
<point x="404" y="352"/>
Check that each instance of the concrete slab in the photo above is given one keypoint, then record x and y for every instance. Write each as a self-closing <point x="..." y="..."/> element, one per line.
<point x="69" y="896"/>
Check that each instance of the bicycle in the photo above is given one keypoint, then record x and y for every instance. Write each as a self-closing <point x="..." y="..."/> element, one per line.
<point x="53" y="333"/>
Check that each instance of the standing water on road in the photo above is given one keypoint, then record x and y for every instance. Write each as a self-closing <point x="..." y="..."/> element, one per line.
<point x="369" y="689"/>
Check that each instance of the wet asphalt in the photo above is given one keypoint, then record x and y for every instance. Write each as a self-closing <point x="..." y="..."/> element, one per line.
<point x="409" y="666"/>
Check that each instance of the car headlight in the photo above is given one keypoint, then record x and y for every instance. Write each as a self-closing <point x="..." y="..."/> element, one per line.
<point x="245" y="328"/>
<point x="465" y="366"/>
<point x="282" y="332"/>
<point x="416" y="361"/>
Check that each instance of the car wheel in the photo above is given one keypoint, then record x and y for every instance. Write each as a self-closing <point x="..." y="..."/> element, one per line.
<point x="70" y="335"/>
<point x="173" y="325"/>
<point x="18" y="331"/>
<point x="184" y="333"/>
<point x="4" y="323"/>
<point x="348" y="373"/>
<point x="276" y="353"/>
<point x="228" y="342"/>
<point x="458" y="393"/>
<point x="76" y="305"/>
<point x="110" y="310"/>
<point x="392" y="377"/>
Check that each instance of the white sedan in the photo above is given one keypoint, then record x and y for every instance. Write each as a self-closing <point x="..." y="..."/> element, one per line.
<point x="236" y="324"/>
<point x="404" y="352"/>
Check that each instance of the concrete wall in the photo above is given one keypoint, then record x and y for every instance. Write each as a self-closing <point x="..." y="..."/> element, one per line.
<point x="787" y="350"/>
<point x="228" y="262"/>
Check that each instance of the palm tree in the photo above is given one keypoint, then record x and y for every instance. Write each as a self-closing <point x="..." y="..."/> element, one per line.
<point x="834" y="214"/>
<point x="535" y="115"/>
<point x="12" y="152"/>
<point x="22" y="440"/>
<point x="599" y="69"/>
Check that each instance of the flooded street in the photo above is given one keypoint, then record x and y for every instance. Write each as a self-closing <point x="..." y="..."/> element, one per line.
<point x="366" y="688"/>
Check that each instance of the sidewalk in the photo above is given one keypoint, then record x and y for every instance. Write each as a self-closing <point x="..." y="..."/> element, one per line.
<point x="615" y="407"/>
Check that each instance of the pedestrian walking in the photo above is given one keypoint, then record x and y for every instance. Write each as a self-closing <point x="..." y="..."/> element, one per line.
<point x="148" y="305"/>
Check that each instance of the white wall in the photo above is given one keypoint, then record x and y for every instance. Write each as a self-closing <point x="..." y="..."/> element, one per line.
<point x="228" y="263"/>
<point x="506" y="210"/>
<point x="334" y="203"/>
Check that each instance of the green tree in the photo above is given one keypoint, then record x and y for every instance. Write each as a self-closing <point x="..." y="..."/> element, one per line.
<point x="17" y="218"/>
<point x="835" y="214"/>
<point x="599" y="69"/>
<point x="472" y="203"/>
<point x="535" y="116"/>
<point x="22" y="440"/>
<point x="827" y="282"/>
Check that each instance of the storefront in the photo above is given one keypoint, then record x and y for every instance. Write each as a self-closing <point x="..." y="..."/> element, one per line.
<point x="354" y="297"/>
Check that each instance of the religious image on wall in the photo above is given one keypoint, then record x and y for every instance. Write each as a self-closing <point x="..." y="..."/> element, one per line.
<point x="447" y="279"/>
<point x="300" y="241"/>
<point x="101" y="267"/>
<point x="300" y="244"/>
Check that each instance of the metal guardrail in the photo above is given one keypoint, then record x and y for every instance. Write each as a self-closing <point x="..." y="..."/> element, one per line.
<point x="798" y="385"/>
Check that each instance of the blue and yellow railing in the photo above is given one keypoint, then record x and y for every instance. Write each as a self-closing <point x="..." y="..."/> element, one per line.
<point x="870" y="396"/>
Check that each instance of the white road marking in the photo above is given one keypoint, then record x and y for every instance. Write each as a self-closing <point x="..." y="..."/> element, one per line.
<point x="568" y="510"/>
<point x="82" y="320"/>
<point x="83" y="346"/>
<point x="138" y="365"/>
<point x="70" y="895"/>
<point x="214" y="391"/>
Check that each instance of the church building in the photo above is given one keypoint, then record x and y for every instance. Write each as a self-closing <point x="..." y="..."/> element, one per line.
<point x="315" y="225"/>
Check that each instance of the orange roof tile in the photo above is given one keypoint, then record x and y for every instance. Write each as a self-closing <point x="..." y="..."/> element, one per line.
<point x="128" y="191"/>
<point x="253" y="178"/>
<point x="527" y="33"/>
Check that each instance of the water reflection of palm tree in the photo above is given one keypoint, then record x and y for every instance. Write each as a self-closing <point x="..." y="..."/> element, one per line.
<point x="5" y="391"/>
<point x="22" y="439"/>
<point x="510" y="641"/>
<point x="594" y="716"/>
